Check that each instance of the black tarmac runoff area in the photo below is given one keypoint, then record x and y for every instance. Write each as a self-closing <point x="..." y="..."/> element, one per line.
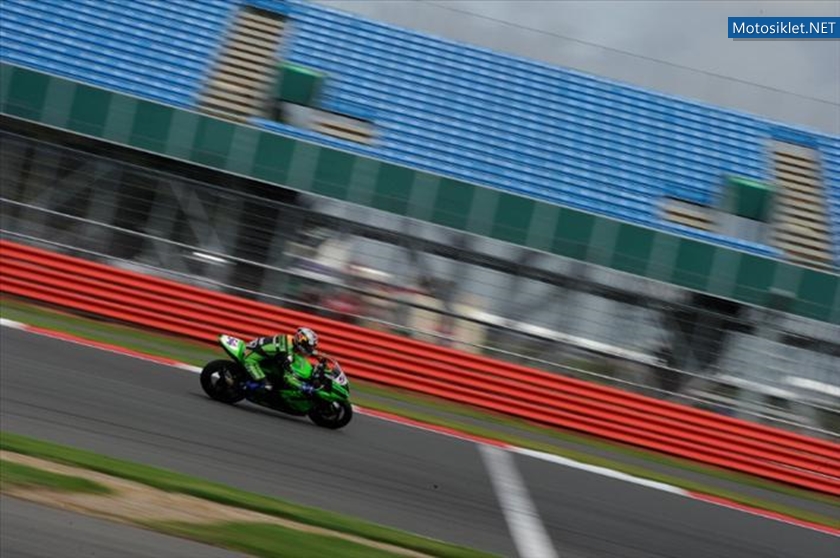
<point x="380" y="471"/>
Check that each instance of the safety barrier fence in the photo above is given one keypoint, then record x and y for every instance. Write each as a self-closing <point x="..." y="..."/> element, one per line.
<point x="391" y="360"/>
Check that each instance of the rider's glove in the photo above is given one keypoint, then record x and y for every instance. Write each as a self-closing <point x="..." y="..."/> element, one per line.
<point x="307" y="389"/>
<point x="286" y="362"/>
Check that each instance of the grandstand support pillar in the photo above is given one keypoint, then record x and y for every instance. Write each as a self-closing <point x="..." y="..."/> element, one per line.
<point x="459" y="271"/>
<point x="578" y="313"/>
<point x="513" y="307"/>
<point x="196" y="217"/>
<point x="227" y="227"/>
<point x="97" y="231"/>
<point x="443" y="289"/>
<point x="768" y="364"/>
<point x="273" y="283"/>
<point x="418" y="260"/>
<point x="209" y="221"/>
<point x="14" y="166"/>
<point x="56" y="193"/>
<point x="459" y="276"/>
<point x="677" y="339"/>
<point x="163" y="216"/>
<point x="137" y="191"/>
<point x="288" y="223"/>
<point x="37" y="188"/>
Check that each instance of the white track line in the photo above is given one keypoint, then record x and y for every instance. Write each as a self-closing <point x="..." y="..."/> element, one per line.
<point x="189" y="368"/>
<point x="603" y="471"/>
<point x="5" y="322"/>
<point x="524" y="524"/>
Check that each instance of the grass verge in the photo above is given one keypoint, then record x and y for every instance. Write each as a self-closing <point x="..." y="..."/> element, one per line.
<point x="171" y="481"/>
<point x="436" y="411"/>
<point x="269" y="541"/>
<point x="16" y="475"/>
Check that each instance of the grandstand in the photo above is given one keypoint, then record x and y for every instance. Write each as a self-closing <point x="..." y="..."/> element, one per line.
<point x="464" y="112"/>
<point x="160" y="50"/>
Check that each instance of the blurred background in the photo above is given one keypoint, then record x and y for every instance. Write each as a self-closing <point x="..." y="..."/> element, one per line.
<point x="640" y="112"/>
<point x="537" y="235"/>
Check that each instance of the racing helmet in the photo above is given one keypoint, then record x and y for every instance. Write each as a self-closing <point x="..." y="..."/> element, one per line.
<point x="305" y="341"/>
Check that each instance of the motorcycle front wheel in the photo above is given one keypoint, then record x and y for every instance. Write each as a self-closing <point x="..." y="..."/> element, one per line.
<point x="222" y="381"/>
<point x="332" y="414"/>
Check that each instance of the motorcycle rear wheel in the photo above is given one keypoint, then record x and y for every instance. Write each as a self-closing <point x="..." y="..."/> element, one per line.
<point x="222" y="381"/>
<point x="332" y="415"/>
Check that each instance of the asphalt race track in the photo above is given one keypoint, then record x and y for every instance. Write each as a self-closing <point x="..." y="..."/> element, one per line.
<point x="381" y="471"/>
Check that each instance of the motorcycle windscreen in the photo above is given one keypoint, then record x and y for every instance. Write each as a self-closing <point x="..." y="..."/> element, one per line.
<point x="337" y="374"/>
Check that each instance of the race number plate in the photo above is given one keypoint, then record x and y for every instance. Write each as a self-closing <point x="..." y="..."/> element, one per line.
<point x="232" y="342"/>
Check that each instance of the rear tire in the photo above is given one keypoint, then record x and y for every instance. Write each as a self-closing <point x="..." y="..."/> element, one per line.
<point x="222" y="381"/>
<point x="332" y="415"/>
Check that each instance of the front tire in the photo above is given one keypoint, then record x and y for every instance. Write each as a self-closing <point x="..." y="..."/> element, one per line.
<point x="222" y="381"/>
<point x="332" y="414"/>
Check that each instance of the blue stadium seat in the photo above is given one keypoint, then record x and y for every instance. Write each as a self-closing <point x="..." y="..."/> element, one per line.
<point x="446" y="107"/>
<point x="158" y="49"/>
<point x="529" y="127"/>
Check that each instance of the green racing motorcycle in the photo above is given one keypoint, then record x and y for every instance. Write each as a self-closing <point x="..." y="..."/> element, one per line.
<point x="328" y="405"/>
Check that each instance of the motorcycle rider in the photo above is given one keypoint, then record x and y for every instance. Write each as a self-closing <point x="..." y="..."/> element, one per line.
<point x="283" y="349"/>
